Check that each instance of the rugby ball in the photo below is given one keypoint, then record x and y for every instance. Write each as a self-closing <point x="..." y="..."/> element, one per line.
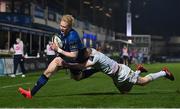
<point x="57" y="40"/>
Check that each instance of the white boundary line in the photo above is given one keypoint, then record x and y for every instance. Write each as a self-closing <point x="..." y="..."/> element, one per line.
<point x="15" y="85"/>
<point x="9" y="86"/>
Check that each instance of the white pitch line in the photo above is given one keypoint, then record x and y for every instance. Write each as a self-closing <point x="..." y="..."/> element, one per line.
<point x="15" y="85"/>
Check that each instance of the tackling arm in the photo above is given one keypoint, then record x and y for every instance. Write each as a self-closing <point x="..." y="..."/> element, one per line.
<point x="78" y="65"/>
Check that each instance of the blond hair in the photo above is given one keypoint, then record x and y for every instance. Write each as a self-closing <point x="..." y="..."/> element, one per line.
<point x="69" y="19"/>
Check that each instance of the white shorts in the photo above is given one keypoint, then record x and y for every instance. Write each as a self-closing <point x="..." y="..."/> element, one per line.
<point x="125" y="78"/>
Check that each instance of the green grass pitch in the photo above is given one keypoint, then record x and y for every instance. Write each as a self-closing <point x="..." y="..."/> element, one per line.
<point x="97" y="91"/>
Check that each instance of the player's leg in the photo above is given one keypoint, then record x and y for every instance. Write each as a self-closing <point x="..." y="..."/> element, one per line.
<point x="124" y="58"/>
<point x="123" y="87"/>
<point x="22" y="66"/>
<point x="88" y="72"/>
<point x="53" y="66"/>
<point x="75" y="74"/>
<point x="134" y="75"/>
<point x="15" y="62"/>
<point x="126" y="78"/>
<point x="127" y="60"/>
<point x="153" y="76"/>
<point x="79" y="74"/>
<point x="122" y="78"/>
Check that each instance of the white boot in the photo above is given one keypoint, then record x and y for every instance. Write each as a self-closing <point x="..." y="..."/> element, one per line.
<point x="13" y="75"/>
<point x="23" y="75"/>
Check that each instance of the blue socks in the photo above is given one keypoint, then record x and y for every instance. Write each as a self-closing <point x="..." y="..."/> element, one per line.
<point x="41" y="82"/>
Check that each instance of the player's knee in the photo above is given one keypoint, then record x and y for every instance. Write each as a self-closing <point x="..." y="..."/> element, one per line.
<point x="57" y="61"/>
<point x="50" y="70"/>
<point x="125" y="88"/>
<point x="76" y="77"/>
<point x="47" y="73"/>
<point x="142" y="81"/>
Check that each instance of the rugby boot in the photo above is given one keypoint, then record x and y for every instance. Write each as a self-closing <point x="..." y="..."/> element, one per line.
<point x="141" y="68"/>
<point x="25" y="93"/>
<point x="168" y="75"/>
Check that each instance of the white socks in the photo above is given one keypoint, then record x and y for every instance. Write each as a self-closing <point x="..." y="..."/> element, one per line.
<point x="153" y="76"/>
<point x="137" y="72"/>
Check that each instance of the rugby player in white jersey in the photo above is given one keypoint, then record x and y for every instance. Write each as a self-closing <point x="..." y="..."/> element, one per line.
<point x="123" y="77"/>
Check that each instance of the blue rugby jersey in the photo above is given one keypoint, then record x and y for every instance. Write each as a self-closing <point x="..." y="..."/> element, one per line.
<point x="72" y="42"/>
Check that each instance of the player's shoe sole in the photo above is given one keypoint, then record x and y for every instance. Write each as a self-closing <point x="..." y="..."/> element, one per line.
<point x="169" y="75"/>
<point x="141" y="68"/>
<point x="25" y="93"/>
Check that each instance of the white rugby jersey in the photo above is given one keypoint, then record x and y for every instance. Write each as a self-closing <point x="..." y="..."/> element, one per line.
<point x="18" y="48"/>
<point x="49" y="50"/>
<point x="103" y="62"/>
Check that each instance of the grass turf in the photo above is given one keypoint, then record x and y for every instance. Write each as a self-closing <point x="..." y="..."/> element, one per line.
<point x="97" y="91"/>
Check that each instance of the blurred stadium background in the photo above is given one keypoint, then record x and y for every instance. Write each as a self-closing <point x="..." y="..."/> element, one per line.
<point x="152" y="27"/>
<point x="145" y="26"/>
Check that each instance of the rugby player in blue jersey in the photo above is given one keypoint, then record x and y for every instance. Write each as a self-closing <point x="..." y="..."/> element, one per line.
<point x="71" y="51"/>
<point x="123" y="77"/>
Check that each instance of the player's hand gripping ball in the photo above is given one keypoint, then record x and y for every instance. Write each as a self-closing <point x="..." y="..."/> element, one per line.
<point x="57" y="40"/>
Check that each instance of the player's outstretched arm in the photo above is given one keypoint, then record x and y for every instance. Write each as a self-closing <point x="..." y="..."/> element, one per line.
<point x="84" y="65"/>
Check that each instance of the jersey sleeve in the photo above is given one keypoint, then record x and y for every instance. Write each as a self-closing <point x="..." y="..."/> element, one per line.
<point x="93" y="59"/>
<point x="74" y="41"/>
